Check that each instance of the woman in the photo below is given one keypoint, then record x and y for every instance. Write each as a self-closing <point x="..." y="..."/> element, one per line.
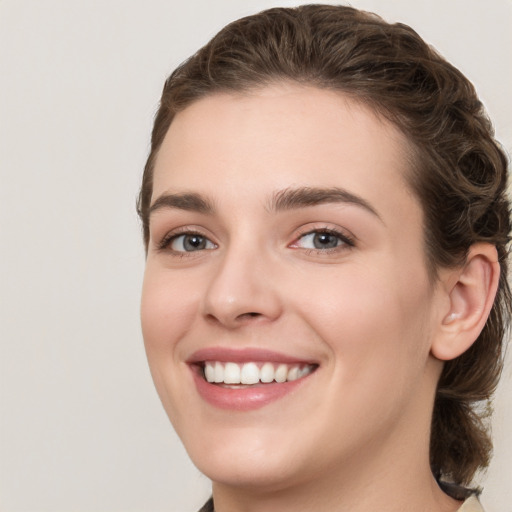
<point x="325" y="295"/>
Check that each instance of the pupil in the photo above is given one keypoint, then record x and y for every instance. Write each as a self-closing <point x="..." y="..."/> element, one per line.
<point x="325" y="240"/>
<point x="194" y="242"/>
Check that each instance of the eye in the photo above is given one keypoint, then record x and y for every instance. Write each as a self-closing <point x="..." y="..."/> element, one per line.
<point x="189" y="242"/>
<point x="322" y="240"/>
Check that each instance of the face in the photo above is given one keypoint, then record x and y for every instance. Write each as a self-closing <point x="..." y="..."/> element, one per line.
<point x="287" y="312"/>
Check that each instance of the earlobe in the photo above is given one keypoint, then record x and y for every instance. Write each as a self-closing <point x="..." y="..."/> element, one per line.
<point x="471" y="291"/>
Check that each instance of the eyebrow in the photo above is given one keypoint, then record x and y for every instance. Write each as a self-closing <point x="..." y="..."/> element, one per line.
<point x="292" y="198"/>
<point x="187" y="201"/>
<point x="282" y="200"/>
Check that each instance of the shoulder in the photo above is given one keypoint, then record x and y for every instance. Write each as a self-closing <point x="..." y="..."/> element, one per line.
<point x="471" y="504"/>
<point x="208" y="506"/>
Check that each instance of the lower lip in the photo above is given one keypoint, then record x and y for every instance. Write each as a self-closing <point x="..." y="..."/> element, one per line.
<point x="243" y="399"/>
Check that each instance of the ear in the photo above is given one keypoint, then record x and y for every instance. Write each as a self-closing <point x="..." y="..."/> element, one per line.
<point x="471" y="290"/>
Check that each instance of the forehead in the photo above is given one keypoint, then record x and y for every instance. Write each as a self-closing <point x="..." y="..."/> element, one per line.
<point x="280" y="136"/>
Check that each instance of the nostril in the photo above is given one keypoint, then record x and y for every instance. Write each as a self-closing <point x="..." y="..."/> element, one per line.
<point x="249" y="315"/>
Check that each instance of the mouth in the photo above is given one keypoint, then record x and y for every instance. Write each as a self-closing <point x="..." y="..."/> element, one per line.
<point x="237" y="375"/>
<point x="247" y="379"/>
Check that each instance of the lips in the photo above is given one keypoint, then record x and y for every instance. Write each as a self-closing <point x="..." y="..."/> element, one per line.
<point x="247" y="379"/>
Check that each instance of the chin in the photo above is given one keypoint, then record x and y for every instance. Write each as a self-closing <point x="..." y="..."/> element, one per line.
<point x="247" y="461"/>
<point x="248" y="472"/>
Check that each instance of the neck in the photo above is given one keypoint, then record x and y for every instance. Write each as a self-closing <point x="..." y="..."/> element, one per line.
<point x="390" y="474"/>
<point x="414" y="491"/>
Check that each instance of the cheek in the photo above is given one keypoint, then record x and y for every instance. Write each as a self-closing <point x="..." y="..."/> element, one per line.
<point x="374" y="321"/>
<point x="166" y="311"/>
<point x="377" y="333"/>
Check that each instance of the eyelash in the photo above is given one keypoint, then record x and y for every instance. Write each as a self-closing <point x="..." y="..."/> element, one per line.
<point x="346" y="241"/>
<point x="169" y="238"/>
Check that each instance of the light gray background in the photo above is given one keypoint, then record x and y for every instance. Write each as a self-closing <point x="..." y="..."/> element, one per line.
<point x="81" y="428"/>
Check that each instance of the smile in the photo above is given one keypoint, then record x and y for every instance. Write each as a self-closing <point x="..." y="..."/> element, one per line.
<point x="254" y="373"/>
<point x="243" y="380"/>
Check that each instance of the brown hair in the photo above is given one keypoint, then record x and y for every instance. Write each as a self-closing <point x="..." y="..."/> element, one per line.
<point x="458" y="172"/>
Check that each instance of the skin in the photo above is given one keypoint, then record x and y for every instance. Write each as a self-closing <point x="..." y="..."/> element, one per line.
<point x="355" y="435"/>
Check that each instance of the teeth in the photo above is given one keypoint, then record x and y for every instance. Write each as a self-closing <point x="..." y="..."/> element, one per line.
<point x="281" y="373"/>
<point x="209" y="373"/>
<point x="252" y="373"/>
<point x="304" y="371"/>
<point x="232" y="373"/>
<point x="219" y="373"/>
<point x="267" y="372"/>
<point x="293" y="373"/>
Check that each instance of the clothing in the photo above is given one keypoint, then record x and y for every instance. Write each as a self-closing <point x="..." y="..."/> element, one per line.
<point x="208" y="506"/>
<point x="470" y="505"/>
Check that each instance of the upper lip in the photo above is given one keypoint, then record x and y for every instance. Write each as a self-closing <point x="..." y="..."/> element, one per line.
<point x="246" y="355"/>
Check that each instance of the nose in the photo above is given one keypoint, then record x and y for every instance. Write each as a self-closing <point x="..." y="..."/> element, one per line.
<point x="242" y="290"/>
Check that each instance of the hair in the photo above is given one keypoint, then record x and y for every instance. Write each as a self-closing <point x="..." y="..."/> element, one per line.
<point x="458" y="170"/>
